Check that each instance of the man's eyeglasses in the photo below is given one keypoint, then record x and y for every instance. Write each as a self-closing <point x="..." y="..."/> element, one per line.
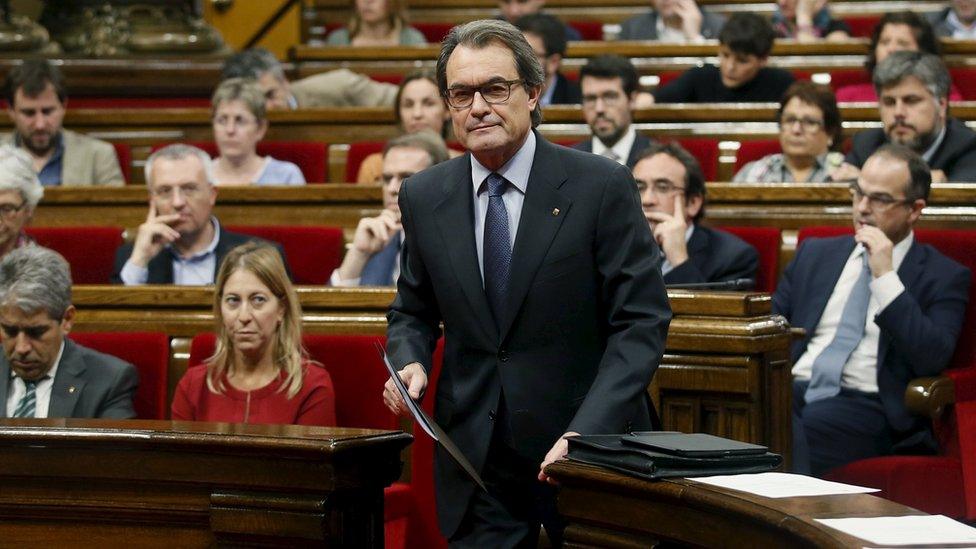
<point x="609" y="99"/>
<point x="806" y="124"/>
<point x="660" y="187"/>
<point x="876" y="201"/>
<point x="499" y="91"/>
<point x="166" y="192"/>
<point x="7" y="211"/>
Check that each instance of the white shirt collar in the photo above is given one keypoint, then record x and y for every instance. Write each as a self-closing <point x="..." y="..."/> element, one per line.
<point x="515" y="171"/>
<point x="621" y="148"/>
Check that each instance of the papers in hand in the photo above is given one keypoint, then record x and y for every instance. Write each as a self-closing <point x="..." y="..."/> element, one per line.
<point x="782" y="485"/>
<point x="428" y="425"/>
<point x="906" y="530"/>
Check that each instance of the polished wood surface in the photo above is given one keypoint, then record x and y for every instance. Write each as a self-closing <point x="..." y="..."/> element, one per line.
<point x="633" y="512"/>
<point x="98" y="483"/>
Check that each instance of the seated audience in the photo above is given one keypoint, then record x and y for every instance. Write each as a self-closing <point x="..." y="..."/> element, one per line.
<point x="547" y="36"/>
<point x="513" y="10"/>
<point x="259" y="372"/>
<point x="20" y="191"/>
<point x="808" y="21"/>
<point x="373" y="259"/>
<point x="742" y="75"/>
<point x="958" y="20"/>
<point x="672" y="21"/>
<point x="376" y="23"/>
<point x="672" y="192"/>
<point x="879" y="309"/>
<point x="36" y="102"/>
<point x="45" y="374"/>
<point x="896" y="31"/>
<point x="419" y="107"/>
<point x="181" y="241"/>
<point x="609" y="84"/>
<point x="913" y="88"/>
<point x="334" y="88"/>
<point x="809" y="135"/>
<point x="239" y="123"/>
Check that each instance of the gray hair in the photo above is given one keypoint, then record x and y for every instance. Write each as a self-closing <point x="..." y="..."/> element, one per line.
<point x="252" y="63"/>
<point x="425" y="140"/>
<point x="928" y="68"/>
<point x="179" y="151"/>
<point x="483" y="33"/>
<point x="34" y="278"/>
<point x="17" y="174"/>
<point x="245" y="90"/>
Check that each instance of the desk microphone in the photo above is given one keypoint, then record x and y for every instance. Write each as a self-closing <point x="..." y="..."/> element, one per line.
<point x="738" y="284"/>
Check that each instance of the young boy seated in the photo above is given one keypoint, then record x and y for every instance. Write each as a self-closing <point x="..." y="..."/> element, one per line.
<point x="742" y="75"/>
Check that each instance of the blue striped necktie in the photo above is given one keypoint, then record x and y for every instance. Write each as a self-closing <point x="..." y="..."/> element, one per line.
<point x="27" y="404"/>
<point x="497" y="248"/>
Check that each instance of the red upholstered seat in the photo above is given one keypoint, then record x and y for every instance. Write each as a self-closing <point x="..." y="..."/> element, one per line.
<point x="754" y="149"/>
<point x="149" y="352"/>
<point x="433" y="32"/>
<point x="945" y="483"/>
<point x="357" y="153"/>
<point x="589" y="30"/>
<point x="862" y="25"/>
<point x="313" y="252"/>
<point x="767" y="241"/>
<point x="964" y="79"/>
<point x="309" y="156"/>
<point x="90" y="251"/>
<point x="124" y="153"/>
<point x="840" y="78"/>
<point x="706" y="151"/>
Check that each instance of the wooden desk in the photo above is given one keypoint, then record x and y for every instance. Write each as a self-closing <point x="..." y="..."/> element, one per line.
<point x="607" y="509"/>
<point x="95" y="483"/>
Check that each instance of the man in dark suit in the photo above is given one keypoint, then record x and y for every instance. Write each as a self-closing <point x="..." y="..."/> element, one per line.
<point x="913" y="92"/>
<point x="609" y="84"/>
<point x="547" y="36"/>
<point x="374" y="257"/>
<point x="42" y="372"/>
<point x="539" y="264"/>
<point x="672" y="191"/>
<point x="181" y="241"/>
<point x="879" y="309"/>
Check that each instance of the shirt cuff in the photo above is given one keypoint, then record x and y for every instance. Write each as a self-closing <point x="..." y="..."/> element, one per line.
<point x="338" y="282"/>
<point x="885" y="289"/>
<point x="133" y="275"/>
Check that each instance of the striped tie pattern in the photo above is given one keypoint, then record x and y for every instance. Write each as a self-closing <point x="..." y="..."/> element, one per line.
<point x="27" y="404"/>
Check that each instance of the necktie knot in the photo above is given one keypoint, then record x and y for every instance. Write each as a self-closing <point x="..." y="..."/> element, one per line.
<point x="496" y="185"/>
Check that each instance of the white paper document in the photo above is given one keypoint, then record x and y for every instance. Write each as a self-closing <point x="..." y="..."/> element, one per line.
<point x="905" y="531"/>
<point x="782" y="485"/>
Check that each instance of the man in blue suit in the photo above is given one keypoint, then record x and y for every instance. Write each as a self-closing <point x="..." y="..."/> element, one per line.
<point x="672" y="191"/>
<point x="879" y="309"/>
<point x="374" y="257"/>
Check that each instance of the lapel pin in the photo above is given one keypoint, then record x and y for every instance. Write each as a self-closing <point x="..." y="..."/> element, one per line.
<point x="71" y="389"/>
<point x="555" y="211"/>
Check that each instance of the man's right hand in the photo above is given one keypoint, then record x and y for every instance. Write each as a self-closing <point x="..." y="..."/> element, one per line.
<point x="372" y="235"/>
<point x="415" y="379"/>
<point x="155" y="233"/>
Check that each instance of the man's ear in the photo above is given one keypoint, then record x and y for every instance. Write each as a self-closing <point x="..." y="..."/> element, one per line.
<point x="68" y="320"/>
<point x="763" y="60"/>
<point x="916" y="212"/>
<point x="693" y="205"/>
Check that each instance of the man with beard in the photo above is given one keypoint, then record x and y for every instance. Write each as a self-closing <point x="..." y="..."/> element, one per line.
<point x="36" y="101"/>
<point x="609" y="85"/>
<point x="957" y="21"/>
<point x="878" y="309"/>
<point x="913" y="89"/>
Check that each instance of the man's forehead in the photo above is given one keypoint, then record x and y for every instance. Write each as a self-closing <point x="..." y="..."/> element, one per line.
<point x="47" y="98"/>
<point x="882" y="173"/>
<point x="490" y="58"/>
<point x="405" y="158"/>
<point x="599" y="82"/>
<point x="178" y="171"/>
<point x="908" y="85"/>
<point x="11" y="314"/>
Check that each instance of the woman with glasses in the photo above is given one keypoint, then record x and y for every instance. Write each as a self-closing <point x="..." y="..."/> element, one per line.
<point x="20" y="191"/>
<point x="239" y="123"/>
<point x="809" y="136"/>
<point x="259" y="372"/>
<point x="377" y="23"/>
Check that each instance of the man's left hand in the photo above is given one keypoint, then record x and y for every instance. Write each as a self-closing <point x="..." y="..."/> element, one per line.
<point x="879" y="248"/>
<point x="558" y="451"/>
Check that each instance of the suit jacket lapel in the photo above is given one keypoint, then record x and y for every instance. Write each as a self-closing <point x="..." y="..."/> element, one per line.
<point x="821" y="287"/>
<point x="455" y="221"/>
<point x="911" y="268"/>
<point x="698" y="246"/>
<point x="68" y="383"/>
<point x="543" y="211"/>
<point x="4" y="384"/>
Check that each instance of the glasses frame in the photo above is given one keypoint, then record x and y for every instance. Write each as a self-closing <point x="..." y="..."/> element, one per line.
<point x="817" y="125"/>
<point x="644" y="185"/>
<point x="480" y="89"/>
<point x="876" y="202"/>
<point x="8" y="211"/>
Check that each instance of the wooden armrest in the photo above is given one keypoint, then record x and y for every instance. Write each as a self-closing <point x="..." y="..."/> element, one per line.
<point x="929" y="396"/>
<point x="797" y="333"/>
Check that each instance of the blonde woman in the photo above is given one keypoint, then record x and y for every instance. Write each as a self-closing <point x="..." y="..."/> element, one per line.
<point x="259" y="372"/>
<point x="377" y="23"/>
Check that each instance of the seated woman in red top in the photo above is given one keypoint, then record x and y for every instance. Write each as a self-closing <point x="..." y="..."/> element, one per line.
<point x="259" y="372"/>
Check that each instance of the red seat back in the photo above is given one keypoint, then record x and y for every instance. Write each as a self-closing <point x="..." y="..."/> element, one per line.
<point x="589" y="30"/>
<point x="964" y="80"/>
<point x="862" y="25"/>
<point x="706" y="151"/>
<point x="309" y="156"/>
<point x="313" y="252"/>
<point x="124" y="153"/>
<point x="149" y="352"/>
<point x="357" y="153"/>
<point x="848" y="77"/>
<point x="90" y="251"/>
<point x="755" y="149"/>
<point x="434" y="33"/>
<point x="767" y="241"/>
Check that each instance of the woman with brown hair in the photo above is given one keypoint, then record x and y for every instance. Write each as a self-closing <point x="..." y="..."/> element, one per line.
<point x="259" y="372"/>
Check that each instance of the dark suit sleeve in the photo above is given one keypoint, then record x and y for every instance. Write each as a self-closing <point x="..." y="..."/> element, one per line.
<point x="964" y="168"/>
<point x="413" y="321"/>
<point x="926" y="337"/>
<point x="636" y="307"/>
<point x="782" y="297"/>
<point x="122" y="255"/>
<point x="118" y="402"/>
<point x="680" y="90"/>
